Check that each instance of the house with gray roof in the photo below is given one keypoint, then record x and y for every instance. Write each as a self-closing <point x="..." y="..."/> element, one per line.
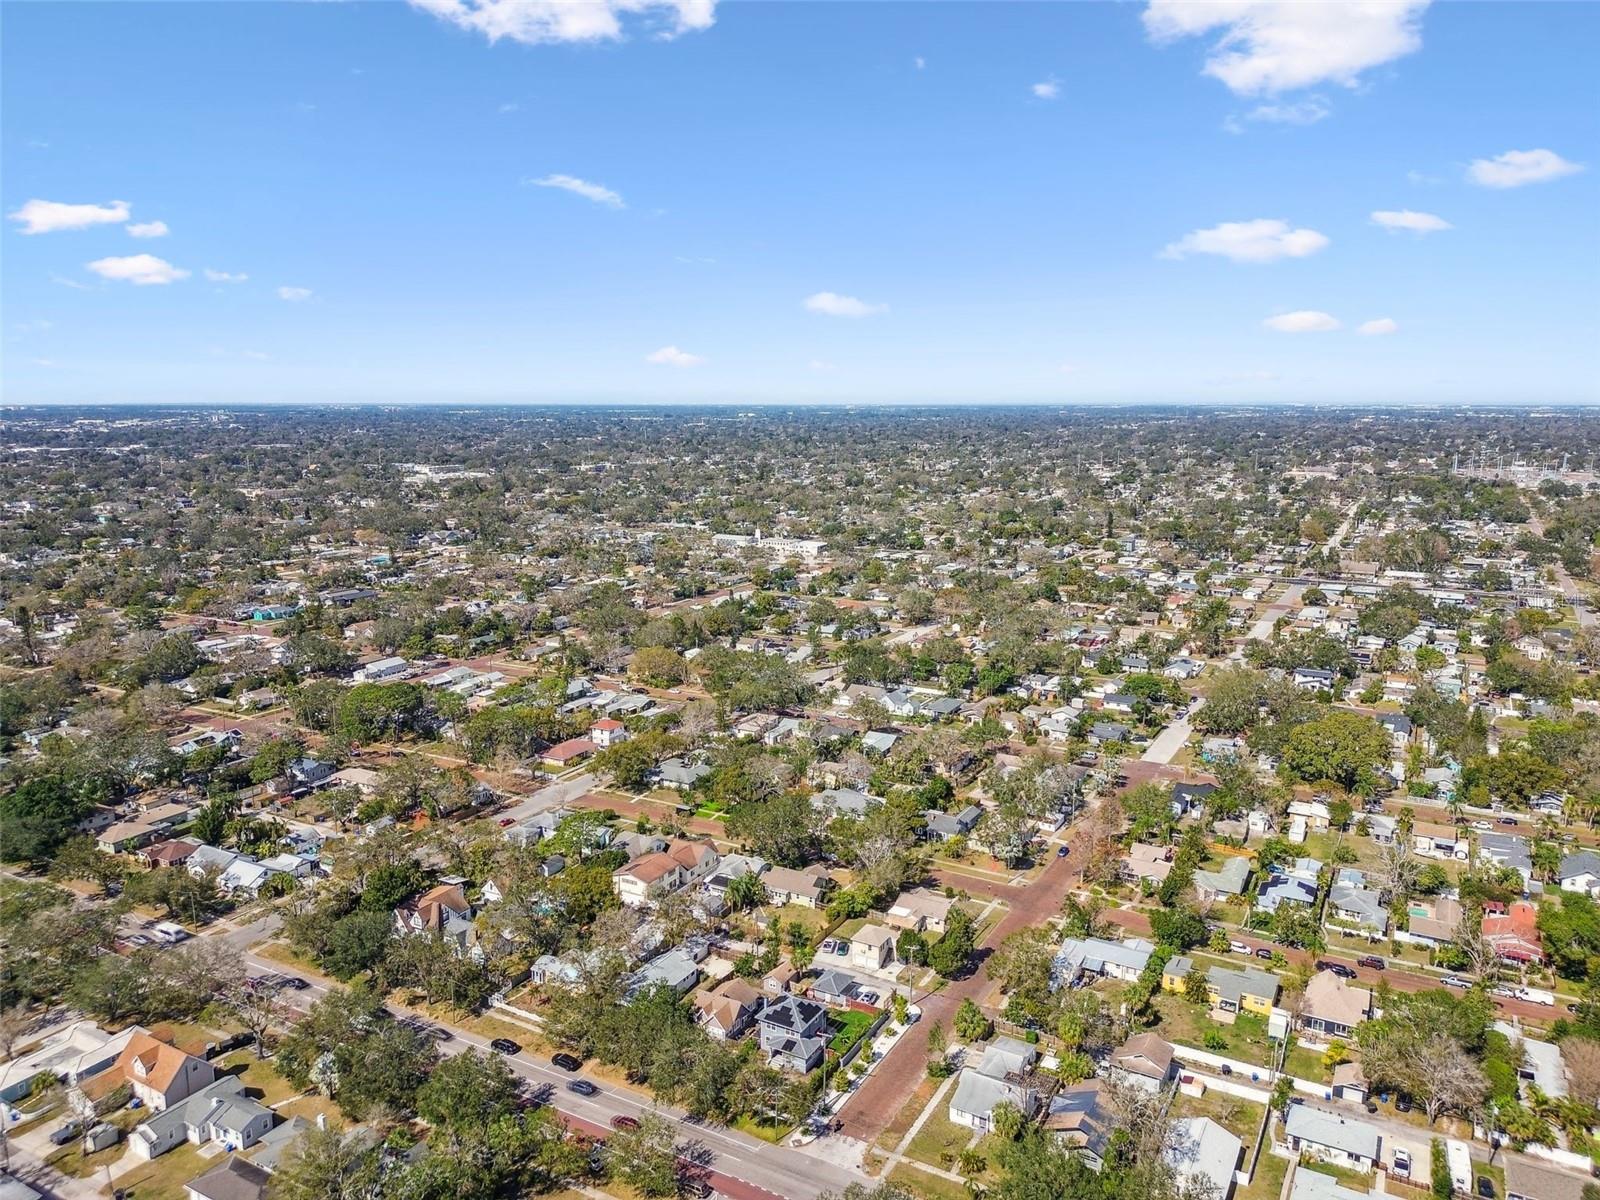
<point x="1580" y="872"/>
<point x="1229" y="879"/>
<point x="793" y="1031"/>
<point x="1097" y="956"/>
<point x="1507" y="850"/>
<point x="1004" y="1073"/>
<point x="1339" y="1140"/>
<point x="1200" y="1149"/>
<point x="220" y="1112"/>
<point x="1352" y="903"/>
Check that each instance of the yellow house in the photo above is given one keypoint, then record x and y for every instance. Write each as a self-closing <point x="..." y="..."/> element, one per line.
<point x="1229" y="990"/>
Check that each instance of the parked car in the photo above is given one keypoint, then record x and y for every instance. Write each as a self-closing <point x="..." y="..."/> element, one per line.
<point x="1238" y="947"/>
<point x="583" y="1087"/>
<point x="1263" y="952"/>
<point x="1371" y="961"/>
<point x="1063" y="851"/>
<point x="1455" y="981"/>
<point x="567" y="1062"/>
<point x="1402" y="1164"/>
<point x="829" y="945"/>
<point x="505" y="1046"/>
<point x="624" y="1122"/>
<point x="294" y="982"/>
<point x="66" y="1133"/>
<point x="1508" y="820"/>
<point x="1339" y="969"/>
<point x="1486" y="1187"/>
<point x="1402" y="1102"/>
<point x="507" y="822"/>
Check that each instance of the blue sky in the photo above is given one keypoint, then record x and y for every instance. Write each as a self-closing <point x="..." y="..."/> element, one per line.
<point x="643" y="200"/>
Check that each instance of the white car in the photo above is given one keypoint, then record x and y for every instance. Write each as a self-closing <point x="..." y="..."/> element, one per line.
<point x="1238" y="947"/>
<point x="1402" y="1164"/>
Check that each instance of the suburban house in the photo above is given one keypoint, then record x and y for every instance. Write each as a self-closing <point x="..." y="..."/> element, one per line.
<point x="72" y="1053"/>
<point x="568" y="753"/>
<point x="1004" y="1073"/>
<point x="1230" y="990"/>
<point x="728" y="1011"/>
<point x="1341" y="1141"/>
<point x="945" y="825"/>
<point x="235" y="1179"/>
<point x="1096" y="956"/>
<point x="158" y="1073"/>
<point x="1333" y="1007"/>
<point x="920" y="909"/>
<point x="1353" y="904"/>
<point x="443" y="911"/>
<point x="1514" y="934"/>
<point x="1144" y="1060"/>
<point x="219" y="1113"/>
<point x="1580" y="872"/>
<point x="834" y="988"/>
<point x="651" y="876"/>
<point x="1188" y="797"/>
<point x="807" y="887"/>
<point x="1079" y="1115"/>
<point x="1202" y="1152"/>
<point x="1439" y="841"/>
<point x="872" y="947"/>
<point x="680" y="774"/>
<point x="126" y="836"/>
<point x="608" y="732"/>
<point x="1147" y="862"/>
<point x="1229" y="879"/>
<point x="1507" y="850"/>
<point x="1529" y="1179"/>
<point x="1292" y="884"/>
<point x="1433" y="921"/>
<point x="678" y="969"/>
<point x="794" y="1032"/>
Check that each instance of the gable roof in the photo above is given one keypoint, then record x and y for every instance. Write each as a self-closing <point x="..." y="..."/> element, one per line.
<point x="234" y="1179"/>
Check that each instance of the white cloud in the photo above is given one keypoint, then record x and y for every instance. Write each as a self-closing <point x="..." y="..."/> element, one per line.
<point x="149" y="229"/>
<point x="1259" y="241"/>
<point x="225" y="276"/>
<point x="1048" y="90"/>
<point x="534" y="22"/>
<point x="510" y="106"/>
<point x="294" y="294"/>
<point x="581" y="187"/>
<point x="831" y="304"/>
<point x="1416" y="222"/>
<point x="137" y="269"/>
<point x="1515" y="168"/>
<point x="671" y="356"/>
<point x="920" y="62"/>
<point x="1270" y="46"/>
<point x="1302" y="112"/>
<point x="1379" y="327"/>
<point x="1304" y="321"/>
<point x="47" y="216"/>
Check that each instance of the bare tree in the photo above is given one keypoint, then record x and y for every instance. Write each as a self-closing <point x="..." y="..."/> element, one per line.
<point x="1397" y="869"/>
<point x="1447" y="1078"/>
<point x="1582" y="1058"/>
<point x="256" y="1009"/>
<point x="15" y="1022"/>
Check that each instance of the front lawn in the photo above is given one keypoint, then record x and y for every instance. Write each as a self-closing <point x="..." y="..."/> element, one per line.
<point x="1187" y="1023"/>
<point x="939" y="1140"/>
<point x="849" y="1027"/>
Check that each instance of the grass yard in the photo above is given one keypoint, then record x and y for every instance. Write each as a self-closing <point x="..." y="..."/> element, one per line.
<point x="849" y="1027"/>
<point x="761" y="1129"/>
<point x="1307" y="1064"/>
<point x="938" y="1136"/>
<point x="927" y="1186"/>
<point x="1267" y="1182"/>
<point x="259" y="1076"/>
<point x="1238" y="1116"/>
<point x="814" y="919"/>
<point x="908" y="1114"/>
<point x="163" y="1178"/>
<point x="282" y="952"/>
<point x="1188" y="1023"/>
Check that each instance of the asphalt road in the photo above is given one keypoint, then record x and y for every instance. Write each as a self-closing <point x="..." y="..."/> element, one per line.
<point x="738" y="1166"/>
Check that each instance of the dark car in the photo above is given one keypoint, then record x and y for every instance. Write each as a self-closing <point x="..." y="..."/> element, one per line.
<point x="624" y="1122"/>
<point x="582" y="1086"/>
<point x="567" y="1062"/>
<point x="1263" y="952"/>
<point x="1371" y="961"/>
<point x="1063" y="851"/>
<point x="1486" y="1187"/>
<point x="1508" y="820"/>
<point x="295" y="982"/>
<point x="505" y="1046"/>
<point x="1339" y="969"/>
<point x="66" y="1133"/>
<point x="1402" y="1103"/>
